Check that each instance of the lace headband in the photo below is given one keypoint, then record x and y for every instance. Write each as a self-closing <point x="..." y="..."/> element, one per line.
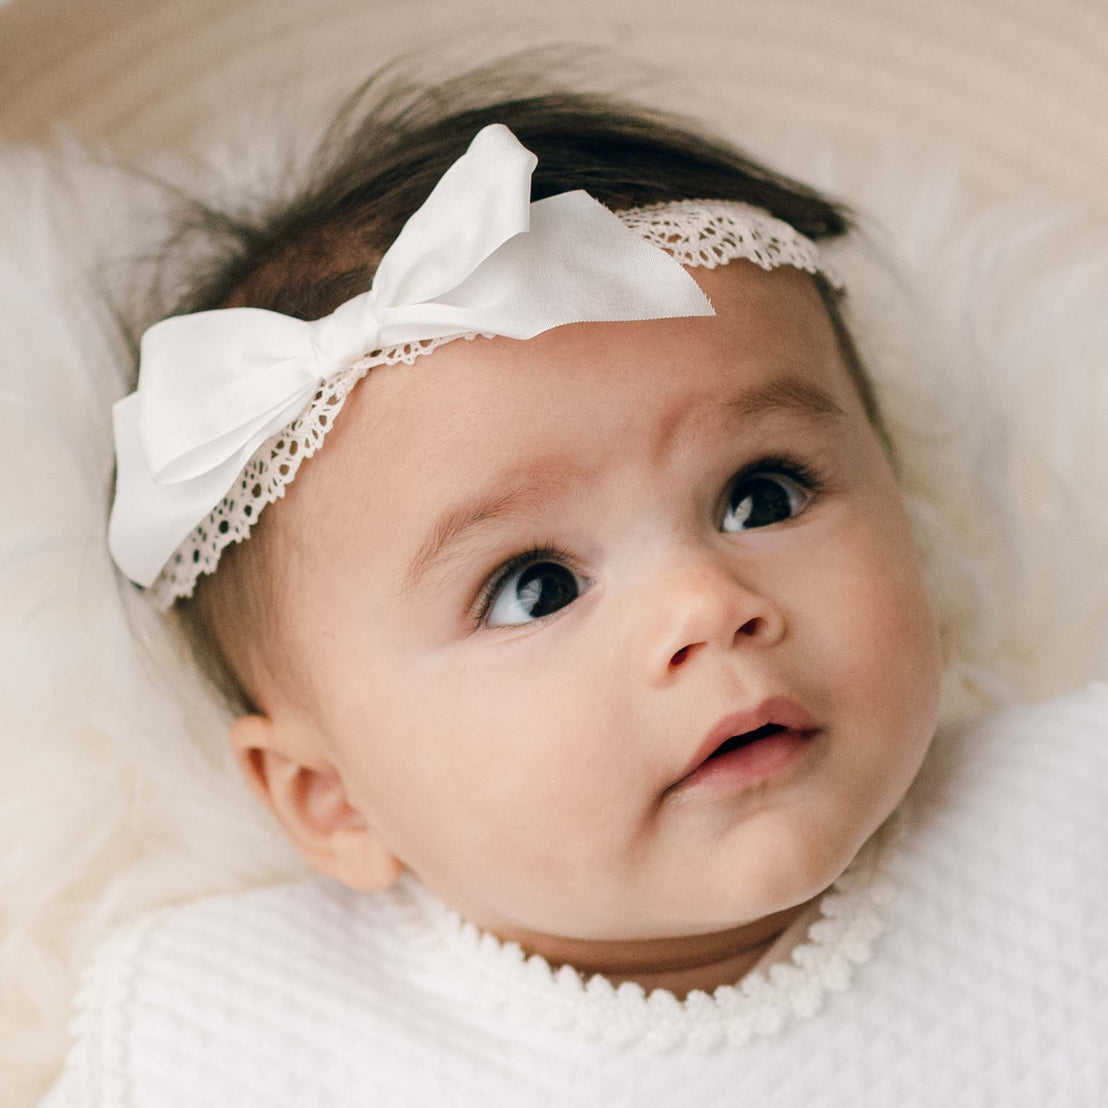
<point x="230" y="402"/>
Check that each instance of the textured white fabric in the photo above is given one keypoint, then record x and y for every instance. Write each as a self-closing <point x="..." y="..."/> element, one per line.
<point x="611" y="277"/>
<point x="987" y="986"/>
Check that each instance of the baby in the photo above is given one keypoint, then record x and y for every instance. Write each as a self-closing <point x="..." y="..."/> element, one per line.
<point x="588" y="659"/>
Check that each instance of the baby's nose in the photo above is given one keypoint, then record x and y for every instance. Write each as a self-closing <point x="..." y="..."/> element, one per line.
<point x="703" y="604"/>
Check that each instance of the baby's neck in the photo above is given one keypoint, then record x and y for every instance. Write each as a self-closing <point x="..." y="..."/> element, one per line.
<point x="679" y="964"/>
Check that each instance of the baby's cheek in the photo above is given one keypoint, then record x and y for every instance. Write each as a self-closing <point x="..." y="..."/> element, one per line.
<point x="548" y="727"/>
<point x="903" y="661"/>
<point x="902" y="612"/>
<point x="512" y="805"/>
<point x="484" y="743"/>
<point x="870" y="620"/>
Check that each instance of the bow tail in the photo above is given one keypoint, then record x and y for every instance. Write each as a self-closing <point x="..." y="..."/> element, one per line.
<point x="151" y="518"/>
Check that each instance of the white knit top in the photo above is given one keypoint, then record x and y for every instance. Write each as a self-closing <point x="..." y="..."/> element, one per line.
<point x="984" y="906"/>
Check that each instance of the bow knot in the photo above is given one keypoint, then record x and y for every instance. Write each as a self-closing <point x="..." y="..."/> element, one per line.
<point x="351" y="330"/>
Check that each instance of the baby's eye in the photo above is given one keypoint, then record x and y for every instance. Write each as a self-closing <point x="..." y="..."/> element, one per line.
<point x="764" y="497"/>
<point x="536" y="589"/>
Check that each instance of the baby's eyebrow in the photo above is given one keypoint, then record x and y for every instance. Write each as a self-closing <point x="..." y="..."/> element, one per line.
<point x="789" y="394"/>
<point x="527" y="494"/>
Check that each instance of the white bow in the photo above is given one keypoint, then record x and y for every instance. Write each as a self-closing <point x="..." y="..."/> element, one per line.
<point x="476" y="257"/>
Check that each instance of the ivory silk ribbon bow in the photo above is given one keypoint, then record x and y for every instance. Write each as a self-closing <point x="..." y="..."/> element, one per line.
<point x="478" y="256"/>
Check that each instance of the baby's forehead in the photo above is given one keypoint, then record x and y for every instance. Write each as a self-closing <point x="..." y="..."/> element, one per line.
<point x="770" y="329"/>
<point x="569" y="398"/>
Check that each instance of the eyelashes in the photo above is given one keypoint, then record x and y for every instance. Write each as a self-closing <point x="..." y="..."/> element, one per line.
<point x="772" y="490"/>
<point x="507" y="570"/>
<point x="809" y="478"/>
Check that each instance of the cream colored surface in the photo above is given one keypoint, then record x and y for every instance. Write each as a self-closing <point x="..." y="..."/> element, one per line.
<point x="1016" y="89"/>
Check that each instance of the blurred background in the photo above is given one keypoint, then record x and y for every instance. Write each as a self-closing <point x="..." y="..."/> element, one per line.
<point x="1017" y="89"/>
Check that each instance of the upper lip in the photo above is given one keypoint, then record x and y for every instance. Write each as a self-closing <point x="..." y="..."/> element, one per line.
<point x="775" y="709"/>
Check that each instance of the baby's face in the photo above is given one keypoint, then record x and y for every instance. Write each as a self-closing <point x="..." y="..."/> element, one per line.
<point x="535" y="579"/>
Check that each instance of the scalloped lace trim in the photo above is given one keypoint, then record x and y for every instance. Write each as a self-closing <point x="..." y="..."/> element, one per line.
<point x="704" y="233"/>
<point x="764" y="1002"/>
<point x="697" y="233"/>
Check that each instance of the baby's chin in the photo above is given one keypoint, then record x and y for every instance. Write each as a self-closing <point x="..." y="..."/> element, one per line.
<point x="774" y="872"/>
<point x="742" y="898"/>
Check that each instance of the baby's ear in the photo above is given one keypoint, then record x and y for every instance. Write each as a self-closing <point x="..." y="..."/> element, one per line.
<point x="308" y="797"/>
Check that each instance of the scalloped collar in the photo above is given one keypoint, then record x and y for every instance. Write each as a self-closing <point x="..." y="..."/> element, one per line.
<point x="763" y="1002"/>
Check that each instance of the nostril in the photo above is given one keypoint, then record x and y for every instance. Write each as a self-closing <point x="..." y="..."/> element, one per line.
<point x="751" y="627"/>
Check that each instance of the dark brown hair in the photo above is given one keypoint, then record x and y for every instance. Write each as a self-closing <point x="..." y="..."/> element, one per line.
<point x="373" y="168"/>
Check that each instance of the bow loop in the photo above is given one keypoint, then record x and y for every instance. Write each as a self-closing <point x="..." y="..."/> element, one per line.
<point x="443" y="243"/>
<point x="210" y="380"/>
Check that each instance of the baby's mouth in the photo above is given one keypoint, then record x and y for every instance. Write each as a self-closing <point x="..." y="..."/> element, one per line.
<point x="751" y="742"/>
<point x="737" y="741"/>
<point x="748" y="759"/>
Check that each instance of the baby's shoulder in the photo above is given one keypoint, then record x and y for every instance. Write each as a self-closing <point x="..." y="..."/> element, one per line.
<point x="181" y="1004"/>
<point x="1054" y="750"/>
<point x="1013" y="805"/>
<point x="261" y="931"/>
<point x="1002" y="893"/>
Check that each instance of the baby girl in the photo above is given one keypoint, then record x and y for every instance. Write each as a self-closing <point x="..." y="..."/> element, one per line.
<point x="589" y="660"/>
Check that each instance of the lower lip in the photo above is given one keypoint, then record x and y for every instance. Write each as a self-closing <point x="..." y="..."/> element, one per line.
<point x="747" y="766"/>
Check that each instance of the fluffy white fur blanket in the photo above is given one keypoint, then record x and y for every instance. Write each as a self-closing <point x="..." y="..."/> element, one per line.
<point x="991" y="352"/>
